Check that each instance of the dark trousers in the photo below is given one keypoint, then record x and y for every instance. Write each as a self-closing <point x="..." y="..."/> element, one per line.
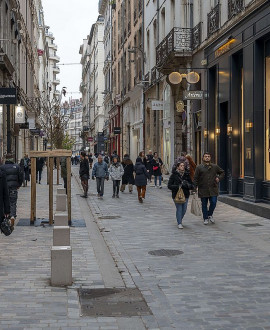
<point x="39" y="172"/>
<point x="100" y="186"/>
<point x="65" y="183"/>
<point x="116" y="184"/>
<point x="84" y="182"/>
<point x="208" y="212"/>
<point x="13" y="196"/>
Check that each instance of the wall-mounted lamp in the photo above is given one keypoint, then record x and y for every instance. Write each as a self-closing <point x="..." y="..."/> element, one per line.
<point x="205" y="133"/>
<point x="217" y="131"/>
<point x="248" y="125"/>
<point x="229" y="129"/>
<point x="176" y="77"/>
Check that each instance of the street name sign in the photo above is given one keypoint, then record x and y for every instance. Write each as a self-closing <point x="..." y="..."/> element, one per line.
<point x="193" y="95"/>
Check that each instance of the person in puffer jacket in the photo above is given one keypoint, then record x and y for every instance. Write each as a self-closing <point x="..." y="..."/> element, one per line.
<point x="14" y="177"/>
<point x="141" y="178"/>
<point x="116" y="172"/>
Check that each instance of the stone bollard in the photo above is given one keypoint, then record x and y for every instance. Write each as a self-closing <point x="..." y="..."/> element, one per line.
<point x="61" y="236"/>
<point x="61" y="265"/>
<point x="60" y="219"/>
<point x="61" y="191"/>
<point x="61" y="203"/>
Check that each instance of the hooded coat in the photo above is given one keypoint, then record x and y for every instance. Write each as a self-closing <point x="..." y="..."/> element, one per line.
<point x="4" y="195"/>
<point x="141" y="173"/>
<point x="176" y="180"/>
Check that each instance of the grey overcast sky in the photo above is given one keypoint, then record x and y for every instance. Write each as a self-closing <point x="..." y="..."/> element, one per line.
<point x="70" y="22"/>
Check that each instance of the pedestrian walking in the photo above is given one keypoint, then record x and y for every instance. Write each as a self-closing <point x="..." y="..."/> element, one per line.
<point x="149" y="167"/>
<point x="128" y="177"/>
<point x="116" y="172"/>
<point x="157" y="166"/>
<point x="4" y="197"/>
<point x="142" y="156"/>
<point x="63" y="163"/>
<point x="141" y="176"/>
<point x="39" y="168"/>
<point x="181" y="158"/>
<point x="27" y="164"/>
<point x="14" y="178"/>
<point x="206" y="179"/>
<point x="100" y="172"/>
<point x="114" y="154"/>
<point x="21" y="164"/>
<point x="90" y="159"/>
<point x="192" y="166"/>
<point x="106" y="158"/>
<point x="84" y="173"/>
<point x="72" y="160"/>
<point x="180" y="178"/>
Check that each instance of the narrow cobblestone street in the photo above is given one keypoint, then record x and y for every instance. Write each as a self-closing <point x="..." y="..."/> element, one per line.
<point x="219" y="281"/>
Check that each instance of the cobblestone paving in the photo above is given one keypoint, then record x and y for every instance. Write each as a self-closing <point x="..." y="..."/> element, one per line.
<point x="221" y="281"/>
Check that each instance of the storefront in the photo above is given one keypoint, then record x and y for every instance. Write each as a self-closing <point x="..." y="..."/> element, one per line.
<point x="115" y="137"/>
<point x="238" y="115"/>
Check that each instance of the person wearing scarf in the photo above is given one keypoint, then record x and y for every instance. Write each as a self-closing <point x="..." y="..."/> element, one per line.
<point x="180" y="178"/>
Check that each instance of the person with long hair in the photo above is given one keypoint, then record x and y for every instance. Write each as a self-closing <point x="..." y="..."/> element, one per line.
<point x="128" y="177"/>
<point x="140" y="179"/>
<point x="180" y="178"/>
<point x="192" y="166"/>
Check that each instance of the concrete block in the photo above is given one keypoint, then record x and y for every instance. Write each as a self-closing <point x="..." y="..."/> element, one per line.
<point x="61" y="236"/>
<point x="61" y="191"/>
<point x="61" y="265"/>
<point x="60" y="219"/>
<point x="61" y="203"/>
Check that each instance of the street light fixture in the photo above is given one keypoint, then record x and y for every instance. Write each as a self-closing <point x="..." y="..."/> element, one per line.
<point x="133" y="51"/>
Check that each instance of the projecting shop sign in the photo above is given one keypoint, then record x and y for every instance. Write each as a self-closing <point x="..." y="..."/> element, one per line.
<point x="157" y="105"/>
<point x="193" y="95"/>
<point x="8" y="96"/>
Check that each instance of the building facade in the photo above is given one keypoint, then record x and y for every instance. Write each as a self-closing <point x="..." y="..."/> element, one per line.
<point x="23" y="74"/>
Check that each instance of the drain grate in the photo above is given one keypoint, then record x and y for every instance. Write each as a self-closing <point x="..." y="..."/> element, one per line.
<point x="112" y="302"/>
<point x="251" y="225"/>
<point x="108" y="217"/>
<point x="165" y="253"/>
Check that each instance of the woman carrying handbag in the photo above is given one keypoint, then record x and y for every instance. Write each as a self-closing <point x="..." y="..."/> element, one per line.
<point x="180" y="184"/>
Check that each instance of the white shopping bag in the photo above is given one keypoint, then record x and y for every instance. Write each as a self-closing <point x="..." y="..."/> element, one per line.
<point x="195" y="206"/>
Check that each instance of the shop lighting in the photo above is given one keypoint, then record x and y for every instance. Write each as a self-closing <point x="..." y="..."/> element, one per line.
<point x="217" y="131"/>
<point x="229" y="129"/>
<point x="205" y="133"/>
<point x="248" y="125"/>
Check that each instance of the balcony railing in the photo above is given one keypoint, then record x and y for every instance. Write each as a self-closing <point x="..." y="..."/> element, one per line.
<point x="178" y="40"/>
<point x="153" y="75"/>
<point x="196" y="36"/>
<point x="213" y="20"/>
<point x="235" y="7"/>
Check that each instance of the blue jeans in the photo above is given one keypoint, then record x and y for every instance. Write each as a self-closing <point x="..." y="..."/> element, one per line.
<point x="181" y="211"/>
<point x="159" y="177"/>
<point x="13" y="196"/>
<point x="213" y="202"/>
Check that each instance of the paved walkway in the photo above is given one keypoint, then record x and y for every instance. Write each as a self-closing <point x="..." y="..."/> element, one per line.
<point x="220" y="281"/>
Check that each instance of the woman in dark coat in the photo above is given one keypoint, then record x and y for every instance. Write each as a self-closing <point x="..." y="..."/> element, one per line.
<point x="128" y="177"/>
<point x="156" y="165"/>
<point x="140" y="178"/>
<point x="180" y="178"/>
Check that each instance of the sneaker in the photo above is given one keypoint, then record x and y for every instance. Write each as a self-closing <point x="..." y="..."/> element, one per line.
<point x="160" y="187"/>
<point x="140" y="200"/>
<point x="180" y="226"/>
<point x="117" y="196"/>
<point x="83" y="196"/>
<point x="211" y="219"/>
<point x="113" y="196"/>
<point x="12" y="221"/>
<point x="205" y="221"/>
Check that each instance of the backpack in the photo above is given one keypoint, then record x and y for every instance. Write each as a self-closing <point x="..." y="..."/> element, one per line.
<point x="5" y="227"/>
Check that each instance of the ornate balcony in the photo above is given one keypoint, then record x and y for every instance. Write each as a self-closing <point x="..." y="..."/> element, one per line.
<point x="213" y="19"/>
<point x="175" y="49"/>
<point x="196" y="36"/>
<point x="235" y="7"/>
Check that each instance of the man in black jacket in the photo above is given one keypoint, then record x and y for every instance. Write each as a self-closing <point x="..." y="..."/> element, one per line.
<point x="14" y="178"/>
<point x="4" y="197"/>
<point x="84" y="173"/>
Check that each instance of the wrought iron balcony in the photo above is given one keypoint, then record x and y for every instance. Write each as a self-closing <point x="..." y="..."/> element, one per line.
<point x="213" y="19"/>
<point x="196" y="35"/>
<point x="235" y="7"/>
<point x="175" y="48"/>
